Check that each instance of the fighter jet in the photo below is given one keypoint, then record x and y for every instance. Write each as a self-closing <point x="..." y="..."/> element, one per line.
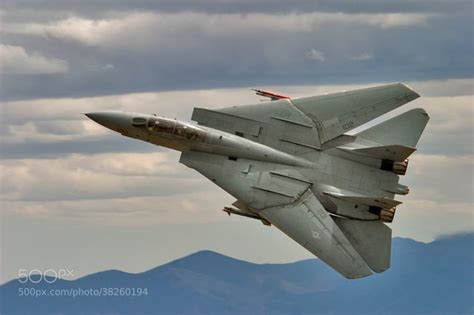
<point x="290" y="163"/>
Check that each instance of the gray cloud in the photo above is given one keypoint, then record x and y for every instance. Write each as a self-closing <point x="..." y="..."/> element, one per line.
<point x="131" y="51"/>
<point x="316" y="55"/>
<point x="15" y="60"/>
<point x="245" y="6"/>
<point x="103" y="176"/>
<point x="58" y="149"/>
<point x="442" y="179"/>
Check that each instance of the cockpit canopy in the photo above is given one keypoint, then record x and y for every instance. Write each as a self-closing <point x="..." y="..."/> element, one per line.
<point x="162" y="125"/>
<point x="165" y="126"/>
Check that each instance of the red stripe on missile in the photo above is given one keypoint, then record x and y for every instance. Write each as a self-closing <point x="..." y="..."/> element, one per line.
<point x="270" y="94"/>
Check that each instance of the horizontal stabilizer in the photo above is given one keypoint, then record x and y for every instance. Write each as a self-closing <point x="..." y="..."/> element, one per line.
<point x="395" y="152"/>
<point x="382" y="202"/>
<point x="371" y="239"/>
<point x="404" y="129"/>
<point x="270" y="95"/>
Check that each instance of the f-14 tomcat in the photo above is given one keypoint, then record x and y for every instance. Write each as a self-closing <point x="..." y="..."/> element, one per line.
<point x="290" y="163"/>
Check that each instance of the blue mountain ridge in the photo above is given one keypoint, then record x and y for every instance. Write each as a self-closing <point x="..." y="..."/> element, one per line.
<point x="433" y="278"/>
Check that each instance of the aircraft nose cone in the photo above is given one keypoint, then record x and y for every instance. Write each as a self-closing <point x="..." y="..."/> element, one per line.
<point x="97" y="117"/>
<point x="112" y="120"/>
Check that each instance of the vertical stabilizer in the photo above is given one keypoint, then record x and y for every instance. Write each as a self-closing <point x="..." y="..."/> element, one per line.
<point x="404" y="129"/>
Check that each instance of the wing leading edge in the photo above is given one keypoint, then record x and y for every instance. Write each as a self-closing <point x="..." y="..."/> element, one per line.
<point x="335" y="114"/>
<point x="315" y="119"/>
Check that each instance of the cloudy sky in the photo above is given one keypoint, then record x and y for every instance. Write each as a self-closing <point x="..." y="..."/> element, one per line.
<point x="74" y="195"/>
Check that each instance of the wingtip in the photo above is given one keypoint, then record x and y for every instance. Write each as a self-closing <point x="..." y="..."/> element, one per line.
<point x="413" y="93"/>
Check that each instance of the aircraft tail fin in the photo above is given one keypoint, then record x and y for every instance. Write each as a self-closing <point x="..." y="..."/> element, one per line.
<point x="404" y="129"/>
<point x="371" y="239"/>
